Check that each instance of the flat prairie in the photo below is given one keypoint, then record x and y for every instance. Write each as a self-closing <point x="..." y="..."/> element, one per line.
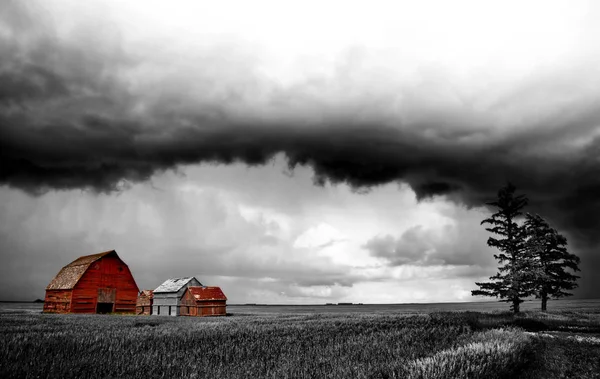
<point x="447" y="340"/>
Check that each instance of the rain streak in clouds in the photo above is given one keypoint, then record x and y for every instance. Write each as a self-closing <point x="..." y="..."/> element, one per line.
<point x="446" y="101"/>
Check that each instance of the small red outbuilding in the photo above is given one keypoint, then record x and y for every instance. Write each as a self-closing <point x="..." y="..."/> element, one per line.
<point x="98" y="283"/>
<point x="203" y="301"/>
<point x="143" y="305"/>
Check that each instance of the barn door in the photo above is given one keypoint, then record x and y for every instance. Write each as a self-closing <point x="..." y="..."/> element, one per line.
<point x="107" y="295"/>
<point x="106" y="300"/>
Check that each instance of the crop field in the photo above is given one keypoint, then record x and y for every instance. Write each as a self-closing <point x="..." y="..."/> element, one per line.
<point x="304" y="342"/>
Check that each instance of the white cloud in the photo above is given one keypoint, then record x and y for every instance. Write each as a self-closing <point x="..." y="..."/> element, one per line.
<point x="318" y="237"/>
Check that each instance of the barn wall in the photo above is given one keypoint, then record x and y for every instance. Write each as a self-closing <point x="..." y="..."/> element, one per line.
<point x="188" y="304"/>
<point x="57" y="301"/>
<point x="108" y="272"/>
<point x="212" y="308"/>
<point x="145" y="310"/>
<point x="203" y="308"/>
<point x="162" y="302"/>
<point x="164" y="310"/>
<point x="143" y="305"/>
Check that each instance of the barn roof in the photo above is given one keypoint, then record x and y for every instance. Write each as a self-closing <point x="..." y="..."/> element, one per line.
<point x="147" y="293"/>
<point x="174" y="285"/>
<point x="69" y="275"/>
<point x="207" y="293"/>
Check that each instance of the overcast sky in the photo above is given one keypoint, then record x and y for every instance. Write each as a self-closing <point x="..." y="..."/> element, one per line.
<point x="294" y="152"/>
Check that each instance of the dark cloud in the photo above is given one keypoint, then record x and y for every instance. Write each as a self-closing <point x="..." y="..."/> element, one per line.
<point x="73" y="115"/>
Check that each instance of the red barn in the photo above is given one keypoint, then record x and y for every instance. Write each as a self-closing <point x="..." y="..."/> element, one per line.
<point x="203" y="301"/>
<point x="98" y="283"/>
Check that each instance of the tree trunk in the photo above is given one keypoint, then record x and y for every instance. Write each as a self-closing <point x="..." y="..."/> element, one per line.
<point x="516" y="304"/>
<point x="544" y="302"/>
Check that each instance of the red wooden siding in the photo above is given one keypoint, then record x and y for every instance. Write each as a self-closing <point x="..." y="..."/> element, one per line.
<point x="106" y="281"/>
<point x="57" y="301"/>
<point x="212" y="308"/>
<point x="203" y="301"/>
<point x="144" y="302"/>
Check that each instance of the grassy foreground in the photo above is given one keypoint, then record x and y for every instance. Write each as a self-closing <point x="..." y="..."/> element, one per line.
<point x="437" y="345"/>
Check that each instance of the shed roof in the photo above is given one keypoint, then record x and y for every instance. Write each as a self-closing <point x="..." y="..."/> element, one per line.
<point x="174" y="284"/>
<point x="207" y="293"/>
<point x="69" y="275"/>
<point x="147" y="293"/>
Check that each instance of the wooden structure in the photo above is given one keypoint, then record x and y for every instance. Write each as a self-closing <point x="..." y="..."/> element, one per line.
<point x="143" y="306"/>
<point x="203" y="301"/>
<point x="167" y="296"/>
<point x="98" y="283"/>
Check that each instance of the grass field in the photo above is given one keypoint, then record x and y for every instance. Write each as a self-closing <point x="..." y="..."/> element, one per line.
<point x="312" y="342"/>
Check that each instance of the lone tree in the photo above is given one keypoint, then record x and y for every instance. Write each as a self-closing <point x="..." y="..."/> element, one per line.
<point x="551" y="258"/>
<point x="513" y="282"/>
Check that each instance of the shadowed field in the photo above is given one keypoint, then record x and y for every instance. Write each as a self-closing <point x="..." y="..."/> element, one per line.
<point x="256" y="343"/>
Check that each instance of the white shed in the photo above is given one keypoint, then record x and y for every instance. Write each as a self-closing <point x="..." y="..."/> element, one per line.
<point x="167" y="296"/>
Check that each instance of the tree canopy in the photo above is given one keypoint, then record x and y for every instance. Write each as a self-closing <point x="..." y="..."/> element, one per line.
<point x="514" y="271"/>
<point x="551" y="258"/>
<point x="533" y="256"/>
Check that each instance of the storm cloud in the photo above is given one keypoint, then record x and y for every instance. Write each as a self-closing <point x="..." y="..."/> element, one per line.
<point x="87" y="102"/>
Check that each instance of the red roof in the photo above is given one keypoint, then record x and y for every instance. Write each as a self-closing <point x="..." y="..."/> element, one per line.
<point x="69" y="275"/>
<point x="207" y="293"/>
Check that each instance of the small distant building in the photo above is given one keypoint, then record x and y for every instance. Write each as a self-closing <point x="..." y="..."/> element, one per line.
<point x="97" y="283"/>
<point x="203" y="301"/>
<point x="143" y="305"/>
<point x="167" y="296"/>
